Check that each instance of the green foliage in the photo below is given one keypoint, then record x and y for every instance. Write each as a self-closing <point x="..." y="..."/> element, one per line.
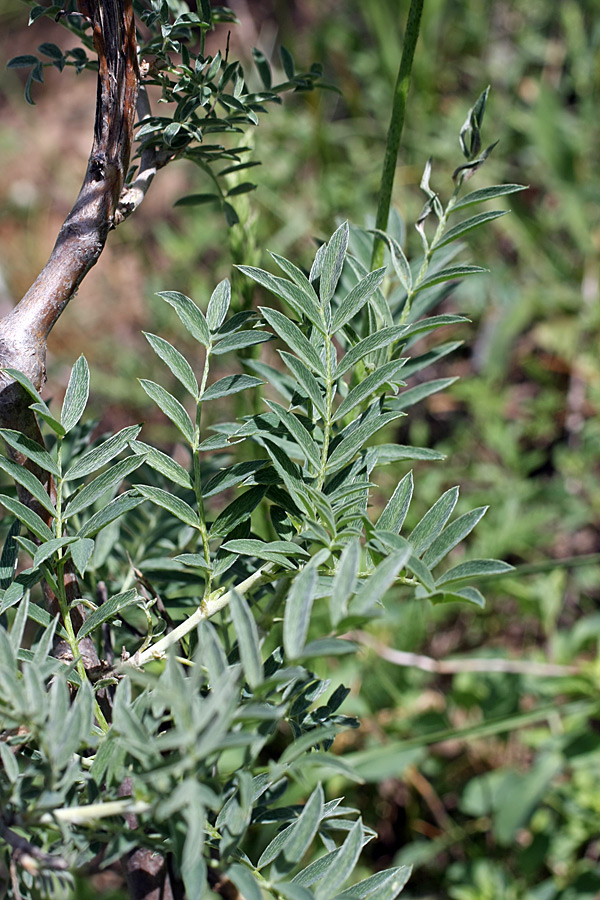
<point x="255" y="555"/>
<point x="514" y="435"/>
<point x="207" y="95"/>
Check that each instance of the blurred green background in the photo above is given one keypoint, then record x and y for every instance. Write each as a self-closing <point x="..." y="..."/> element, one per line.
<point x="487" y="781"/>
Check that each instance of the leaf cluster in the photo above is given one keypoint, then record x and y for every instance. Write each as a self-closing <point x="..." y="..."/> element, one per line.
<point x="253" y="549"/>
<point x="206" y="96"/>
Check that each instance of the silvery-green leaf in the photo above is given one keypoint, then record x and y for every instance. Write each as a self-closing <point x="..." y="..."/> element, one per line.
<point x="333" y="262"/>
<point x="453" y="535"/>
<point x="48" y="549"/>
<point x="452" y="273"/>
<point x="300" y="434"/>
<point x="289" y="332"/>
<point x="420" y="392"/>
<point x="100" y="485"/>
<point x="468" y="225"/>
<point x="474" y="568"/>
<point x="195" y="560"/>
<point x="370" y="344"/>
<point x="231" y="384"/>
<point x="432" y="523"/>
<point x="44" y="413"/>
<point x="353" y="442"/>
<point x="376" y="584"/>
<point x="305" y="827"/>
<point x="28" y="480"/>
<point x="315" y="269"/>
<point x="302" y="301"/>
<point x="240" y="340"/>
<point x="118" y="507"/>
<point x="274" y="848"/>
<point x="298" y="607"/>
<point x="191" y="317"/>
<point x="384" y="885"/>
<point x="171" y="407"/>
<point x="248" y="641"/>
<point x="297" y="276"/>
<point x="176" y="362"/>
<point x="98" y="456"/>
<point x="218" y="305"/>
<point x="399" y="260"/>
<point x="454" y="594"/>
<point x="384" y="454"/>
<point x="315" y="870"/>
<point x="343" y="865"/>
<point x="27" y="384"/>
<point x="430" y="324"/>
<point x="237" y="511"/>
<point x="489" y="193"/>
<point x="81" y="551"/>
<point x="369" y="387"/>
<point x="10" y="555"/>
<point x="162" y="463"/>
<point x="421" y="571"/>
<point x="107" y="611"/>
<point x="76" y="396"/>
<point x="230" y="476"/>
<point x="378" y="302"/>
<point x="351" y="305"/>
<point x="307" y="381"/>
<point x="393" y="516"/>
<point x="245" y="882"/>
<point x="274" y="551"/>
<point x="175" y="505"/>
<point x="31" y="449"/>
<point x="344" y="582"/>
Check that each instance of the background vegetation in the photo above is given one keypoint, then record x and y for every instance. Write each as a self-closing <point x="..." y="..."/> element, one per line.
<point x="455" y="783"/>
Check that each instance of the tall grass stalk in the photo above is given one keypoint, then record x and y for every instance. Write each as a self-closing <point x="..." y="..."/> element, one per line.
<point x="411" y="37"/>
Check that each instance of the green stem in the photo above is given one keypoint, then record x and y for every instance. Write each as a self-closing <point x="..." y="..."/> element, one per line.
<point x="395" y="130"/>
<point x="328" y="409"/>
<point x="61" y="594"/>
<point x="206" y="610"/>
<point x="198" y="474"/>
<point x="431" y="248"/>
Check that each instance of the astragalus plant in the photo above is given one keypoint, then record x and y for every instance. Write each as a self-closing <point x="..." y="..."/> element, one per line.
<point x="168" y="716"/>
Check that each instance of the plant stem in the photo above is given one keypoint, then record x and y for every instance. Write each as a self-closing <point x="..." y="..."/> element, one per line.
<point x="395" y="130"/>
<point x="198" y="474"/>
<point x="61" y="594"/>
<point x="431" y="248"/>
<point x="207" y="609"/>
<point x="327" y="422"/>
